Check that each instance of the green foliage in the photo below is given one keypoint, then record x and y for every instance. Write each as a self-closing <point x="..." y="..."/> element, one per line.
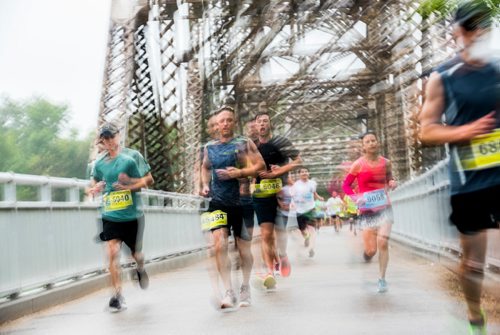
<point x="31" y="141"/>
<point x="445" y="7"/>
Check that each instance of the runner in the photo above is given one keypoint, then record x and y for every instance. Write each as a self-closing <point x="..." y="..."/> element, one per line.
<point x="350" y="212"/>
<point x="303" y="196"/>
<point x="466" y="90"/>
<point x="225" y="160"/>
<point x="284" y="198"/>
<point x="280" y="157"/>
<point x="333" y="208"/>
<point x="320" y="214"/>
<point x="374" y="176"/>
<point x="120" y="173"/>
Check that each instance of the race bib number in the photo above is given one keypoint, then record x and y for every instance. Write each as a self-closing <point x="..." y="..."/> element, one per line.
<point x="268" y="187"/>
<point x="375" y="199"/>
<point x="115" y="201"/>
<point x="212" y="220"/>
<point x="483" y="152"/>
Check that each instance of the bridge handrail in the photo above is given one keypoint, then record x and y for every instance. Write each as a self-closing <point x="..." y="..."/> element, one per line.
<point x="421" y="215"/>
<point x="153" y="199"/>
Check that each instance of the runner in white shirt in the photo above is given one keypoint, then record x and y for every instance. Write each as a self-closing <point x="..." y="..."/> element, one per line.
<point x="333" y="209"/>
<point x="303" y="196"/>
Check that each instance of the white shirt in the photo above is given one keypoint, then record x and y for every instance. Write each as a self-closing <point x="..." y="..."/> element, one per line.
<point x="303" y="195"/>
<point x="333" y="206"/>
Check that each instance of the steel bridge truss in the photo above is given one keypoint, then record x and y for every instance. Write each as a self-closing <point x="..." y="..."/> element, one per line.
<point x="325" y="70"/>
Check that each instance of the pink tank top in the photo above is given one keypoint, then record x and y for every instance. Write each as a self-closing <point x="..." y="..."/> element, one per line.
<point x="372" y="176"/>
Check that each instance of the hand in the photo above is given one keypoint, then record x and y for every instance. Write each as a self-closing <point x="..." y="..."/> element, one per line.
<point x="267" y="175"/>
<point x="228" y="173"/>
<point x="392" y="184"/>
<point x="97" y="188"/>
<point x="274" y="168"/>
<point x="321" y="198"/>
<point x="481" y="126"/>
<point x="205" y="190"/>
<point x="360" y="201"/>
<point x="124" y="179"/>
<point x="120" y="187"/>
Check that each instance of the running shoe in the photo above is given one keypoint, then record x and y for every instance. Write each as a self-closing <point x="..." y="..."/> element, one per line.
<point x="277" y="268"/>
<point x="285" y="267"/>
<point x="245" y="297"/>
<point x="117" y="303"/>
<point x="269" y="282"/>
<point x="478" y="327"/>
<point x="142" y="278"/>
<point x="311" y="253"/>
<point x="229" y="300"/>
<point x="382" y="286"/>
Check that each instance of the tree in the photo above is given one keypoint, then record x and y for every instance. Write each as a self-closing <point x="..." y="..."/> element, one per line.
<point x="443" y="8"/>
<point x="31" y="140"/>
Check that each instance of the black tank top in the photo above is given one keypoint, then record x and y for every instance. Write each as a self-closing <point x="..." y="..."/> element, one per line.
<point x="471" y="92"/>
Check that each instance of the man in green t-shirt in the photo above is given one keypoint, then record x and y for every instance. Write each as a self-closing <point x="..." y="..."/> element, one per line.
<point x="119" y="174"/>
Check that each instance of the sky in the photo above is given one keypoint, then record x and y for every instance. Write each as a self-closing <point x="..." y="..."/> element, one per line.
<point x="55" y="49"/>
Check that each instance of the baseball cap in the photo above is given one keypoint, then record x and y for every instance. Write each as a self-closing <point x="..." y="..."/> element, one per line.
<point x="108" y="130"/>
<point x="472" y="15"/>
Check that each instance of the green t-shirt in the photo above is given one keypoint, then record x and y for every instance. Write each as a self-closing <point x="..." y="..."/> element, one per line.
<point x="117" y="206"/>
<point x="142" y="165"/>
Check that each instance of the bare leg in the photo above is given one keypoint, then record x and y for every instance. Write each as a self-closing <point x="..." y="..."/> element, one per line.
<point x="383" y="235"/>
<point x="281" y="238"/>
<point x="245" y="249"/>
<point x="370" y="242"/>
<point x="221" y="256"/>
<point x="472" y="271"/>
<point x="312" y="233"/>
<point x="268" y="245"/>
<point x="113" y="250"/>
<point x="139" y="259"/>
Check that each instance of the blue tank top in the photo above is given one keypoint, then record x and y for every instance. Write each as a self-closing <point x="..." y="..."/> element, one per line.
<point x="471" y="92"/>
<point x="223" y="155"/>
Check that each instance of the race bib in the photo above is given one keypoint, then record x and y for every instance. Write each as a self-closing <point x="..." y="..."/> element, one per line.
<point x="375" y="199"/>
<point x="115" y="201"/>
<point x="212" y="220"/>
<point x="268" y="187"/>
<point x="483" y="152"/>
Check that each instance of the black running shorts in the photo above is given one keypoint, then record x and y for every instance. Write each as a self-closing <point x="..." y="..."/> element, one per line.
<point x="125" y="231"/>
<point x="234" y="219"/>
<point x="266" y="209"/>
<point x="307" y="218"/>
<point x="475" y="211"/>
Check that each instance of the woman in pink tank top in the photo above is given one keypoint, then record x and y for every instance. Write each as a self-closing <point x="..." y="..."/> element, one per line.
<point x="374" y="176"/>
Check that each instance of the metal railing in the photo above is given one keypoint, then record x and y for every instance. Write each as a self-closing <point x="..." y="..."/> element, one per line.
<point x="46" y="241"/>
<point x="421" y="215"/>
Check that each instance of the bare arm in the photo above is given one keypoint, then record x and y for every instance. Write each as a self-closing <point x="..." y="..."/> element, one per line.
<point x="205" y="175"/>
<point x="318" y="197"/>
<point x="257" y="162"/>
<point x="277" y="171"/>
<point x="434" y="132"/>
<point x="390" y="179"/>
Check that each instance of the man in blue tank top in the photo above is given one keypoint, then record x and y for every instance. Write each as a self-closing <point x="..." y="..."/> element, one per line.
<point x="466" y="91"/>
<point x="225" y="160"/>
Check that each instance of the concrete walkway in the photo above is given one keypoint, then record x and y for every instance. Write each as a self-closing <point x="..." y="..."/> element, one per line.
<point x="333" y="293"/>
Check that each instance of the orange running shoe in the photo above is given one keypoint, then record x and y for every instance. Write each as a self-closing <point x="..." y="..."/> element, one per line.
<point x="285" y="266"/>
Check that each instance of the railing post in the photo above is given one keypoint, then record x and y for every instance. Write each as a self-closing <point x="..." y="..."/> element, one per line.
<point x="46" y="191"/>
<point x="10" y="190"/>
<point x="74" y="193"/>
